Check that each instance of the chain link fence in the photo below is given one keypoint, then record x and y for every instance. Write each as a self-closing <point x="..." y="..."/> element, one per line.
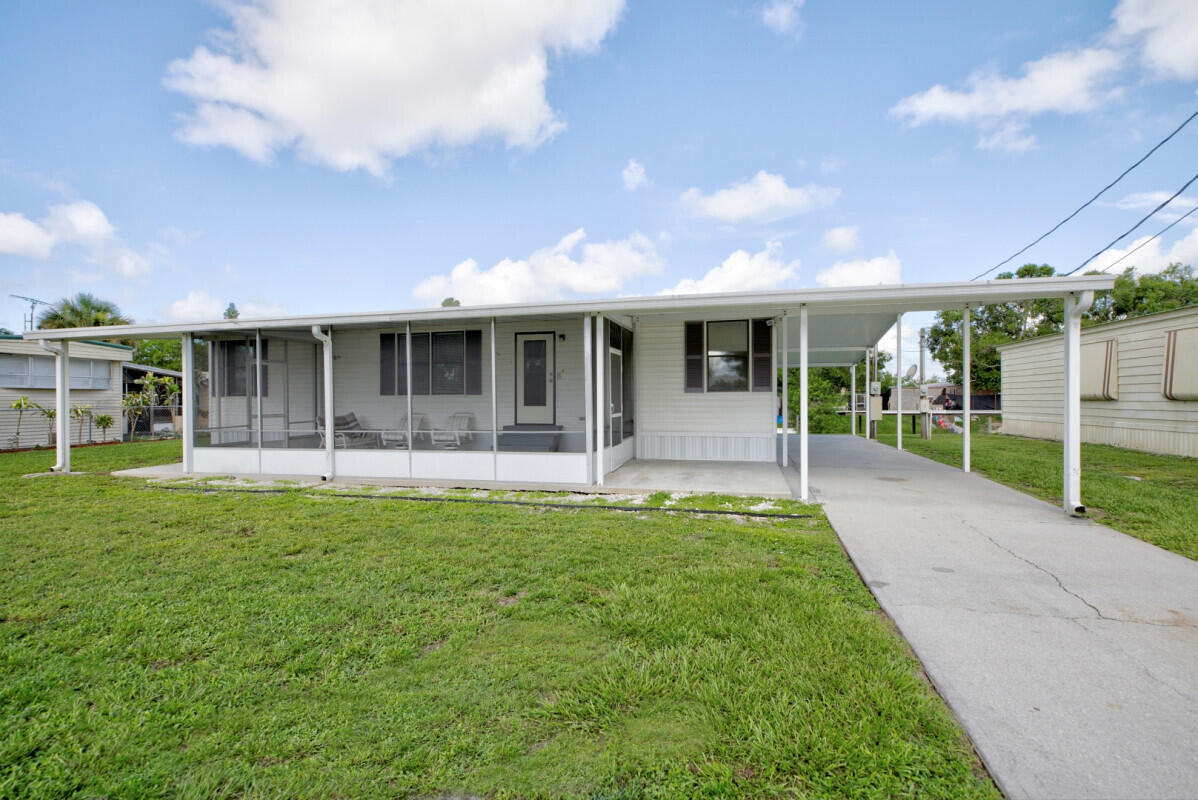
<point x="89" y="424"/>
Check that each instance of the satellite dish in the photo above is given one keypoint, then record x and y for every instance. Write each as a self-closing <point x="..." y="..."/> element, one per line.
<point x="910" y="372"/>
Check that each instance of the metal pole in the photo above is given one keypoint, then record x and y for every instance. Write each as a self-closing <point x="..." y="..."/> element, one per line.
<point x="188" y="403"/>
<point x="258" y="389"/>
<point x="966" y="385"/>
<point x="407" y="343"/>
<point x="1075" y="306"/>
<point x="785" y="393"/>
<point x="494" y="411"/>
<point x="853" y="399"/>
<point x="924" y="400"/>
<point x="600" y="400"/>
<point x="804" y="463"/>
<point x="588" y="390"/>
<point x="326" y="341"/>
<point x="898" y="380"/>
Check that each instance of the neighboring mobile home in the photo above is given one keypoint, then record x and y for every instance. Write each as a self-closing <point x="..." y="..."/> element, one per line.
<point x="1139" y="384"/>
<point x="560" y="392"/>
<point x="27" y="370"/>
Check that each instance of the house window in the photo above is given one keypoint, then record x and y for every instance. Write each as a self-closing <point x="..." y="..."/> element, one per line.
<point x="237" y="369"/>
<point x="445" y="362"/>
<point x="37" y="372"/>
<point x="727" y="356"/>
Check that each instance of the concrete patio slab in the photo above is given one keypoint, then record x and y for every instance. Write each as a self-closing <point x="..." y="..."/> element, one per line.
<point x="1069" y="651"/>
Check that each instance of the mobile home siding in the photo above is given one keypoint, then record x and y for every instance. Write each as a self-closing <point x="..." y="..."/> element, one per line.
<point x="34" y="430"/>
<point x="1141" y="419"/>
<point x="675" y="424"/>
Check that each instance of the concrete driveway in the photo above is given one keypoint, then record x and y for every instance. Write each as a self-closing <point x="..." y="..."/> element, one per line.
<point x="1068" y="651"/>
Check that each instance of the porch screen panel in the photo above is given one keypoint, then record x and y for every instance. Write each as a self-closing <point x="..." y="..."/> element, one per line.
<point x="693" y="345"/>
<point x="420" y="363"/>
<point x="763" y="378"/>
<point x="448" y="366"/>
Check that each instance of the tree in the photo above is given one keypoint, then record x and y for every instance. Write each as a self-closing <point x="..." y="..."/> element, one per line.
<point x="1174" y="287"/>
<point x="20" y="405"/>
<point x="5" y="332"/>
<point x="450" y="302"/>
<point x="164" y="353"/>
<point x="136" y="404"/>
<point x="103" y="422"/>
<point x="81" y="413"/>
<point x="231" y="312"/>
<point x="49" y="414"/>
<point x="84" y="310"/>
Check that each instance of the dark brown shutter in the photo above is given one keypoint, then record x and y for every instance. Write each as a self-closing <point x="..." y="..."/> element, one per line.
<point x="474" y="362"/>
<point x="763" y="376"/>
<point x="386" y="363"/>
<point x="693" y="345"/>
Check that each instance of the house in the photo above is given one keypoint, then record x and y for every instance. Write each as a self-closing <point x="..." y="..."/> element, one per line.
<point x="27" y="370"/>
<point x="559" y="392"/>
<point x="1139" y="384"/>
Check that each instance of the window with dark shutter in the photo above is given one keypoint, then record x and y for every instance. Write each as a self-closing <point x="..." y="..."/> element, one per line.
<point x="695" y="356"/>
<point x="474" y="362"/>
<point x="763" y="376"/>
<point x="449" y="356"/>
<point x="387" y="363"/>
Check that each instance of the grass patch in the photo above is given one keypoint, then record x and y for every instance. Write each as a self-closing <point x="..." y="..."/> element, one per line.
<point x="181" y="644"/>
<point x="1148" y="496"/>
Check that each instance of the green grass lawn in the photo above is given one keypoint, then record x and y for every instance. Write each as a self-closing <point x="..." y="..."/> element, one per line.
<point x="159" y="643"/>
<point x="1152" y="497"/>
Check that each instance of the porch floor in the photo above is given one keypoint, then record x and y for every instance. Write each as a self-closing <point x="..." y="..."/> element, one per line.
<point x="757" y="479"/>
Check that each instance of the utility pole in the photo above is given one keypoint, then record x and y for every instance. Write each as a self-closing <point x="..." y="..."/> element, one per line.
<point x="925" y="431"/>
<point x="33" y="304"/>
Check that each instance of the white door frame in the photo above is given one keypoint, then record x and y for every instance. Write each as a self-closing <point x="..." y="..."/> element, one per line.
<point x="548" y="415"/>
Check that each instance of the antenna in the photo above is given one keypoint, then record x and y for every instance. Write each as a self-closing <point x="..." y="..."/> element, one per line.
<point x="911" y="370"/>
<point x="33" y="304"/>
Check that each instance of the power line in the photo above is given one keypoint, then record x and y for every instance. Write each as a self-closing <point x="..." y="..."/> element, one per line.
<point x="1144" y="219"/>
<point x="1080" y="208"/>
<point x="1150" y="238"/>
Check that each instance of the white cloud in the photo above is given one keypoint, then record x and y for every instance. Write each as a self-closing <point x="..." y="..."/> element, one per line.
<point x="548" y="273"/>
<point x="362" y="82"/>
<point x="841" y="239"/>
<point x="21" y="236"/>
<point x="782" y="17"/>
<point x="1166" y="32"/>
<point x="200" y="306"/>
<point x="633" y="175"/>
<point x="1151" y="257"/>
<point x="80" y="222"/>
<point x="743" y="272"/>
<point x="863" y="272"/>
<point x="1068" y="82"/>
<point x="1143" y="201"/>
<point x="830" y="164"/>
<point x="1009" y="136"/>
<point x="762" y="198"/>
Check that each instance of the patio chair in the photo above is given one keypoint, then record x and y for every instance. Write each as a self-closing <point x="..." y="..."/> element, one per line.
<point x="460" y="429"/>
<point x="348" y="432"/>
<point x="399" y="436"/>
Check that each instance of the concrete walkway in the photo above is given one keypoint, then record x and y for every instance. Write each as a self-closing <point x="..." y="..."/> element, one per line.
<point x="1068" y="651"/>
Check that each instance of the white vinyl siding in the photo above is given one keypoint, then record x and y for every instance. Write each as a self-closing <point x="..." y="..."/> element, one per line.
<point x="1141" y="418"/>
<point x="675" y="424"/>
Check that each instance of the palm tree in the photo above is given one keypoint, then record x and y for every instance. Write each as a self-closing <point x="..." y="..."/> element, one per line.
<point x="84" y="310"/>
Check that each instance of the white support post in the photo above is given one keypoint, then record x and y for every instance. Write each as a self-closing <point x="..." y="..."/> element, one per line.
<point x="258" y="390"/>
<point x="785" y="393"/>
<point x="869" y="406"/>
<point x="326" y="341"/>
<point x="62" y="403"/>
<point x="588" y="390"/>
<point x="494" y="411"/>
<point x="966" y="386"/>
<point x="898" y="381"/>
<point x="188" y="404"/>
<point x="1075" y="306"/>
<point x="602" y="409"/>
<point x="853" y="399"/>
<point x="804" y="463"/>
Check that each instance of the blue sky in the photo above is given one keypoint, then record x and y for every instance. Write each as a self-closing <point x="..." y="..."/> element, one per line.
<point x="291" y="157"/>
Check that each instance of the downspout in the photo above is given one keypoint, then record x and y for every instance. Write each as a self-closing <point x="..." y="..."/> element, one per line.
<point x="326" y="341"/>
<point x="62" y="395"/>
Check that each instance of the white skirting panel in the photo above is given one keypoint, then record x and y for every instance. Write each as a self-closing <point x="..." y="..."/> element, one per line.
<point x="453" y="465"/>
<point x="226" y="460"/>
<point x="543" y="467"/>
<point x="616" y="457"/>
<point x="706" y="446"/>
<point x="294" y="462"/>
<point x="371" y="463"/>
